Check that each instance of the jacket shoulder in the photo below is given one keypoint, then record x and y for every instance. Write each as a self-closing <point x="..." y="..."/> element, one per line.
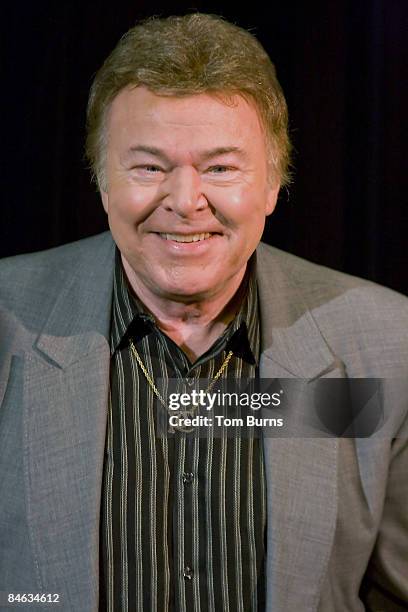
<point x="21" y="273"/>
<point x="31" y="283"/>
<point x="364" y="323"/>
<point x="54" y="257"/>
<point x="311" y="280"/>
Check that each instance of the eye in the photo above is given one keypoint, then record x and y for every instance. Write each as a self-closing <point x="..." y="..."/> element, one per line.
<point x="219" y="169"/>
<point x="147" y="171"/>
<point x="150" y="168"/>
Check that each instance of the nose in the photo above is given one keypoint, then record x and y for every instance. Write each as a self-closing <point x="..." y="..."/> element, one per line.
<point x="183" y="193"/>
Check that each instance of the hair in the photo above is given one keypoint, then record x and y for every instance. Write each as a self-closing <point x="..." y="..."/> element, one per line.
<point x="184" y="56"/>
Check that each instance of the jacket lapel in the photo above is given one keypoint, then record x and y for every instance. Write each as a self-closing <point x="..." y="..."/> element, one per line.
<point x="65" y="406"/>
<point x="301" y="472"/>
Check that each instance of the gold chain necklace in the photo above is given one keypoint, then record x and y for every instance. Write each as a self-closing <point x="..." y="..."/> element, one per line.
<point x="185" y="413"/>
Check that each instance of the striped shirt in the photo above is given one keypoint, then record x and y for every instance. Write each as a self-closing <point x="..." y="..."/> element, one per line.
<point x="183" y="517"/>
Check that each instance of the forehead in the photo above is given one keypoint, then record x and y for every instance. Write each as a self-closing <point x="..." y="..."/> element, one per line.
<point x="137" y="110"/>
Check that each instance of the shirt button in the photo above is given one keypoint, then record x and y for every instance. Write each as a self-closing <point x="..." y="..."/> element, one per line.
<point x="188" y="477"/>
<point x="188" y="573"/>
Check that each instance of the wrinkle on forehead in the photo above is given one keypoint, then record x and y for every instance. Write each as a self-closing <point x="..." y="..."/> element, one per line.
<point x="180" y="127"/>
<point x="175" y="110"/>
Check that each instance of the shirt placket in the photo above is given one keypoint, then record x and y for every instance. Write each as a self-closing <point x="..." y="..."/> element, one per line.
<point x="185" y="519"/>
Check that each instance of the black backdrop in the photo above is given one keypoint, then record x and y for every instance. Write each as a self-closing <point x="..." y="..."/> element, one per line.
<point x="343" y="66"/>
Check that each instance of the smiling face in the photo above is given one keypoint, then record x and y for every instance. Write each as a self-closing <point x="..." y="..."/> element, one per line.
<point x="187" y="193"/>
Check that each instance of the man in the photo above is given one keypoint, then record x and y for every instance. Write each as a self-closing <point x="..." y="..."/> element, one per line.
<point x="187" y="136"/>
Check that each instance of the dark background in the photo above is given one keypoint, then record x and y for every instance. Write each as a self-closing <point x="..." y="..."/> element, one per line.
<point x="343" y="66"/>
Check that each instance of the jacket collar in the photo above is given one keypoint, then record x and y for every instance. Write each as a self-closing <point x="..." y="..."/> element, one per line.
<point x="290" y="335"/>
<point x="79" y="322"/>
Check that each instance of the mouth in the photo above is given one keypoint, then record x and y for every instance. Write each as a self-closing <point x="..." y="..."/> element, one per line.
<point x="187" y="237"/>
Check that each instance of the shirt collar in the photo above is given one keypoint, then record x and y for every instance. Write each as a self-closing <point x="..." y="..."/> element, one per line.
<point x="129" y="316"/>
<point x="242" y="334"/>
<point x="128" y="313"/>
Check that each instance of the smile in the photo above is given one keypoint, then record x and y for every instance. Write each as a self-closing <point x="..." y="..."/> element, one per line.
<point x="186" y="237"/>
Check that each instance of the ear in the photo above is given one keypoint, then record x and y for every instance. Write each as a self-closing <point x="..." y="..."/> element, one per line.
<point x="271" y="198"/>
<point x="105" y="200"/>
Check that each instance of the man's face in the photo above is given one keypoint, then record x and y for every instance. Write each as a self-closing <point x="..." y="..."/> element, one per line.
<point x="181" y="169"/>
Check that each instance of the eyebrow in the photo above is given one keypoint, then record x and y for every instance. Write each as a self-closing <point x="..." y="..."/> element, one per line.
<point x="204" y="155"/>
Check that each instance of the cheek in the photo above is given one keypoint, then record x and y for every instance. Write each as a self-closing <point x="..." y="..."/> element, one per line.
<point x="240" y="206"/>
<point x="130" y="205"/>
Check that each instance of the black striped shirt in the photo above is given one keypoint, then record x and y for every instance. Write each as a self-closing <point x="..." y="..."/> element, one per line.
<point x="183" y="517"/>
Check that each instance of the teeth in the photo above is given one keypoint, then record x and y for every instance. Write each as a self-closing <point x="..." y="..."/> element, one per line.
<point x="184" y="238"/>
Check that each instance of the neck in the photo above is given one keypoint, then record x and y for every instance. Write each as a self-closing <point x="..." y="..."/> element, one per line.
<point x="193" y="324"/>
